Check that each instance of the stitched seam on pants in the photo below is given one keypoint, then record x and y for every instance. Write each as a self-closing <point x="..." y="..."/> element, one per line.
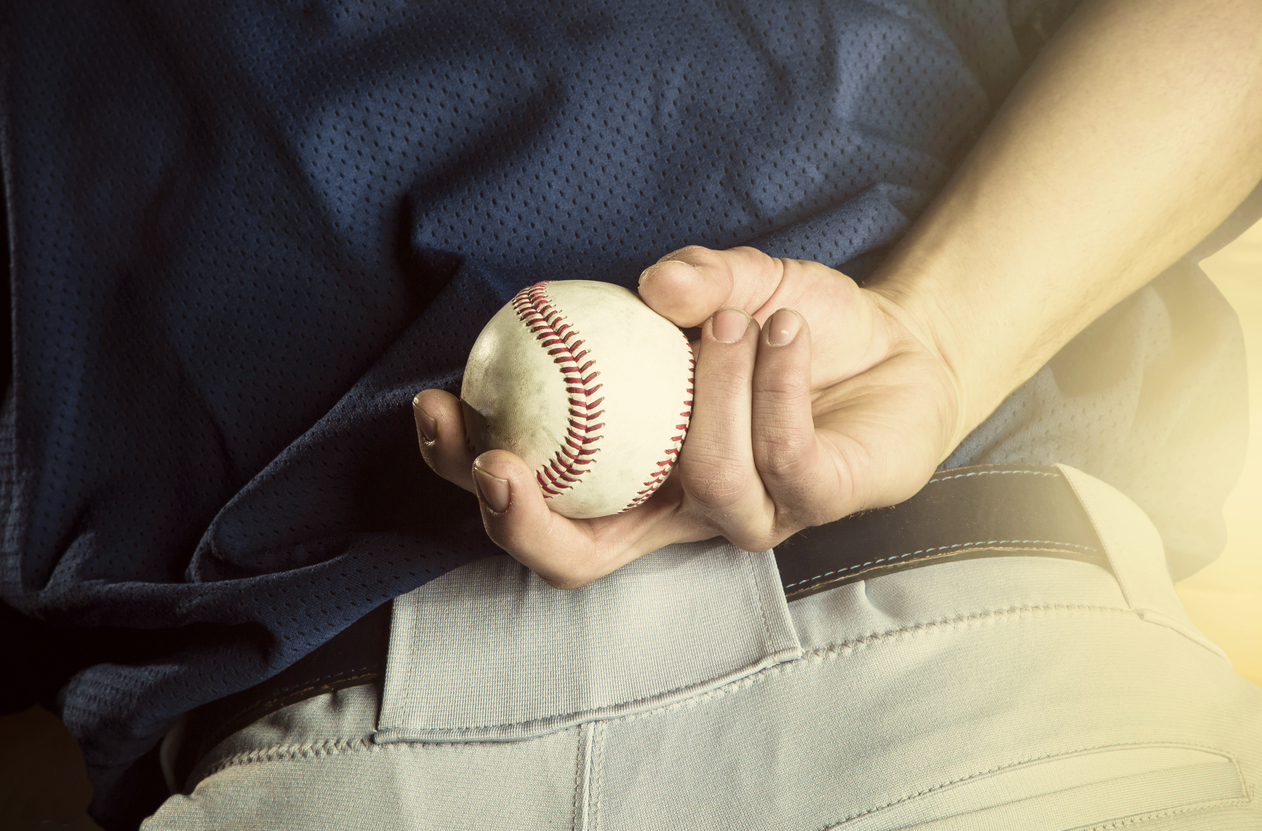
<point x="836" y="824"/>
<point x="292" y="752"/>
<point x="1165" y="622"/>
<point x="762" y="607"/>
<point x="330" y="747"/>
<point x="583" y="786"/>
<point x="566" y="717"/>
<point x="1169" y="812"/>
<point x="909" y="631"/>
<point x="598" y="774"/>
<point x="324" y="748"/>
<point x="839" y="650"/>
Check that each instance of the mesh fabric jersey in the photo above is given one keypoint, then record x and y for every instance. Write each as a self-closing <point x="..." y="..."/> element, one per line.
<point x="242" y="235"/>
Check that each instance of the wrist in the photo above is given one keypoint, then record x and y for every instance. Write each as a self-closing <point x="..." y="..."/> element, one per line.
<point x="919" y="324"/>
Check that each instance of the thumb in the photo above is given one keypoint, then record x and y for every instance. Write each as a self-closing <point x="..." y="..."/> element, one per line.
<point x="681" y="291"/>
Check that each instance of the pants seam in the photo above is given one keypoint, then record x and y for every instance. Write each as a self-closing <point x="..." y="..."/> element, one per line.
<point x="335" y="746"/>
<point x="583" y="777"/>
<point x="1106" y="824"/>
<point x="597" y="773"/>
<point x="845" y="648"/>
<point x="1169" y="812"/>
<point x="307" y="751"/>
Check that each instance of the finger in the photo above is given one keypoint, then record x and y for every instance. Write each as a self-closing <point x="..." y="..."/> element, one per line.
<point x="518" y="520"/>
<point x="689" y="285"/>
<point x="798" y="475"/>
<point x="569" y="553"/>
<point x="716" y="468"/>
<point x="441" y="435"/>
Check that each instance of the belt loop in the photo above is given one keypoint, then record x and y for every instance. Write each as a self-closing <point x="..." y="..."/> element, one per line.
<point x="1136" y="554"/>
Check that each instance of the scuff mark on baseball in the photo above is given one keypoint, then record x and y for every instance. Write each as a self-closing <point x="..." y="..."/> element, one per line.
<point x="589" y="386"/>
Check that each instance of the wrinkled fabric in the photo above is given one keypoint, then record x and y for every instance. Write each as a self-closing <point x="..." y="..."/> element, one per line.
<point x="242" y="235"/>
<point x="1007" y="692"/>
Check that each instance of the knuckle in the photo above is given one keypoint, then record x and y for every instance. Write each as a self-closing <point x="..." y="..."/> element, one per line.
<point x="749" y="252"/>
<point x="688" y="254"/>
<point x="816" y="515"/>
<point x="712" y="476"/>
<point x="752" y="540"/>
<point x="781" y="452"/>
<point x="804" y="513"/>
<point x="785" y="384"/>
<point x="714" y="487"/>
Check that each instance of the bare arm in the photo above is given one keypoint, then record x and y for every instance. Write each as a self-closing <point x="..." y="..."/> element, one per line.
<point x="1134" y="135"/>
<point x="1136" y="132"/>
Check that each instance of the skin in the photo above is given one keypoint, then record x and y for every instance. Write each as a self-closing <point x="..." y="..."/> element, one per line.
<point x="1136" y="132"/>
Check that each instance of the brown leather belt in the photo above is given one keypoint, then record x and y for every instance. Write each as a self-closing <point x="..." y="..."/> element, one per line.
<point x="965" y="513"/>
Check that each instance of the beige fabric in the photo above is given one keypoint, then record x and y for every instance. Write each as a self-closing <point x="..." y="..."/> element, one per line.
<point x="1012" y="692"/>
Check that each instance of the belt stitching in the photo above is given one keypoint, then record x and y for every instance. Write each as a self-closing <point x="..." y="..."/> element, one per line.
<point x="1090" y="548"/>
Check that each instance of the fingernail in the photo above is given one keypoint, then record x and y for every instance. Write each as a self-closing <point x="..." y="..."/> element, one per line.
<point x="783" y="327"/>
<point x="426" y="424"/>
<point x="729" y="325"/>
<point x="659" y="265"/>
<point x="493" y="490"/>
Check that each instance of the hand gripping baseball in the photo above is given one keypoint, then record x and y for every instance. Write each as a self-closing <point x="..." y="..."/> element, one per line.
<point x="812" y="399"/>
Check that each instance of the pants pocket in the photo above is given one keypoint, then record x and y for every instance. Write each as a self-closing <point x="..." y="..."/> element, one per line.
<point x="1091" y="789"/>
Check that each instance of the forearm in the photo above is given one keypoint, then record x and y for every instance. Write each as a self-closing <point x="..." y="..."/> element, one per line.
<point x="1136" y="132"/>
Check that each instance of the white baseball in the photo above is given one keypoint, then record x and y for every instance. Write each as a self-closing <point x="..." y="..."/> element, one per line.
<point x="589" y="386"/>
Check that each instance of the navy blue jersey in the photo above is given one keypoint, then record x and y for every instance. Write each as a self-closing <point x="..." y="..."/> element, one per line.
<point x="242" y="235"/>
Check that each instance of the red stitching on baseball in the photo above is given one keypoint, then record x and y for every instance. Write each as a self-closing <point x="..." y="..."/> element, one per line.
<point x="572" y="459"/>
<point x="664" y="466"/>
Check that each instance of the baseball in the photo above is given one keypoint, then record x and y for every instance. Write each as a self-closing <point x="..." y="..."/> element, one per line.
<point x="589" y="386"/>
